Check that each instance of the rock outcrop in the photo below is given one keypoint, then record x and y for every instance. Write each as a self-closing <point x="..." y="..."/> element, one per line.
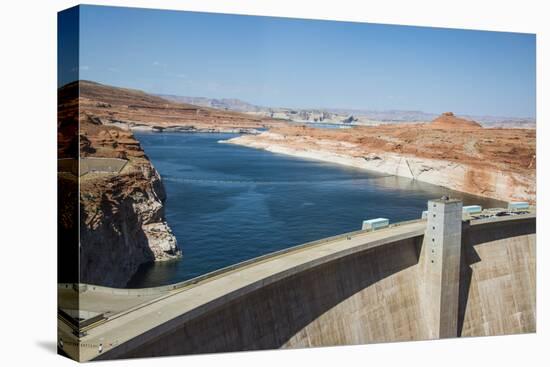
<point x="122" y="224"/>
<point x="448" y="120"/>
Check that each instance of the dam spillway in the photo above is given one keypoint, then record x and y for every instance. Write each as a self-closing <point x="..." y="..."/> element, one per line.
<point x="360" y="287"/>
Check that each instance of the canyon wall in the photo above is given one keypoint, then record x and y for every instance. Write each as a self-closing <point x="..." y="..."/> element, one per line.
<point x="118" y="217"/>
<point x="122" y="225"/>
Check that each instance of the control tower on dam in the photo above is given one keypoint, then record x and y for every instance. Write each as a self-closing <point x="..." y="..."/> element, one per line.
<point x="450" y="274"/>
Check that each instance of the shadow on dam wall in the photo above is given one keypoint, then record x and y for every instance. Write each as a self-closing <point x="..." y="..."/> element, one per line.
<point x="371" y="296"/>
<point x="276" y="315"/>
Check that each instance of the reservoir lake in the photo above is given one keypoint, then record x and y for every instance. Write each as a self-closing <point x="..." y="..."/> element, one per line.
<point x="227" y="203"/>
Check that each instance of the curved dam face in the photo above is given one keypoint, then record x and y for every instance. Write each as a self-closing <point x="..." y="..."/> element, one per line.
<point x="498" y="279"/>
<point x="379" y="291"/>
<point x="358" y="299"/>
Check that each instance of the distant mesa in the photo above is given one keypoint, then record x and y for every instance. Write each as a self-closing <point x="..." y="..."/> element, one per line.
<point x="448" y="120"/>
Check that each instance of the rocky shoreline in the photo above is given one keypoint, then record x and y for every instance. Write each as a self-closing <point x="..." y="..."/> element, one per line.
<point x="496" y="184"/>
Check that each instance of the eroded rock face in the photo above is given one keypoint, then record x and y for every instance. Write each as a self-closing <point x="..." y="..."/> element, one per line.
<point x="122" y="225"/>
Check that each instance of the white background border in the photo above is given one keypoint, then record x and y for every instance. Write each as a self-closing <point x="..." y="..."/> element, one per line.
<point x="28" y="179"/>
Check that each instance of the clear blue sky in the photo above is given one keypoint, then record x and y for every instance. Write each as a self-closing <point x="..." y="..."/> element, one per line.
<point x="307" y="63"/>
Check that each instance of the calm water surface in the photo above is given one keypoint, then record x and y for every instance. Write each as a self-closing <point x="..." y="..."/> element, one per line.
<point x="227" y="204"/>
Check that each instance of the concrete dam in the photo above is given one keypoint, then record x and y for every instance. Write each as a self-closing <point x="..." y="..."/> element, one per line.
<point x="447" y="275"/>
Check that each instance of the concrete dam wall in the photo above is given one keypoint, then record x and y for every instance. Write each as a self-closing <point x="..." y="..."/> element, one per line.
<point x="385" y="289"/>
<point x="498" y="279"/>
<point x="347" y="301"/>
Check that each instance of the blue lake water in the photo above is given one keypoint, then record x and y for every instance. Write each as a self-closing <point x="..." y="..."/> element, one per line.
<point x="227" y="203"/>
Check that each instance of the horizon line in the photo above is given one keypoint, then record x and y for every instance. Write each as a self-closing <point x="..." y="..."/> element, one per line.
<point x="298" y="108"/>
